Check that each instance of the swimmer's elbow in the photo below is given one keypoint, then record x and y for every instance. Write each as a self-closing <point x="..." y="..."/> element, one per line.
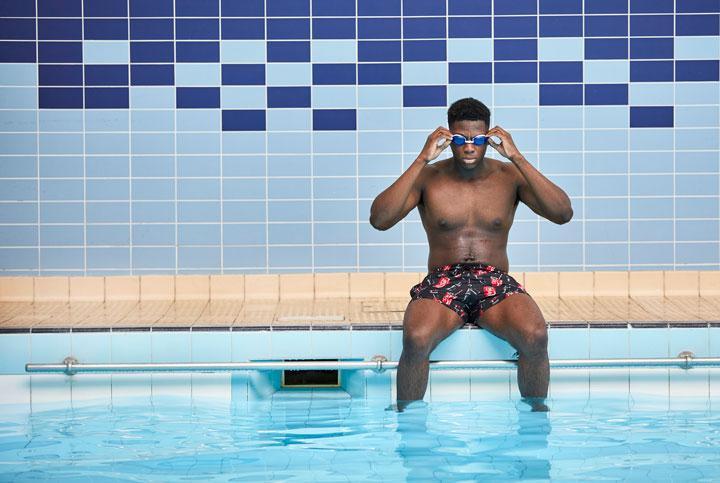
<point x="378" y="224"/>
<point x="565" y="217"/>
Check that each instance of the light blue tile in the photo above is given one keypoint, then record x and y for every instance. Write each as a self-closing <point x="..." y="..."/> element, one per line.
<point x="61" y="166"/>
<point x="606" y="231"/>
<point x="244" y="211"/>
<point x="52" y="347"/>
<point x="365" y="344"/>
<point x="290" y="344"/>
<point x="199" y="234"/>
<point x="243" y="143"/>
<point x="91" y="347"/>
<point x="550" y="232"/>
<point x="517" y="117"/>
<point x="522" y="256"/>
<point x="170" y="346"/>
<point x="330" y="344"/>
<point x="652" y="253"/>
<point x="606" y="71"/>
<point x="60" y="120"/>
<point x="107" y="166"/>
<point x="156" y="143"/>
<point x="455" y="348"/>
<point x="210" y="346"/>
<point x="615" y="254"/>
<point x="649" y="342"/>
<point x="609" y="343"/>
<point x="243" y="97"/>
<point x="247" y="165"/>
<point x="560" y="49"/>
<point x="692" y="230"/>
<point x="18" y="121"/>
<point x="18" y="98"/>
<point x="70" y="259"/>
<point x="696" y="139"/>
<point x="15" y="353"/>
<point x="290" y="74"/>
<point x="130" y="346"/>
<point x="425" y="73"/>
<point x="333" y="52"/>
<point x="289" y="210"/>
<point x="651" y="208"/>
<point x="191" y="166"/>
<point x="416" y="257"/>
<point x="696" y="116"/>
<point x="693" y="339"/>
<point x="334" y="164"/>
<point x="334" y="188"/>
<point x="379" y="96"/>
<point x="18" y="75"/>
<point x="200" y="74"/>
<point x="331" y="233"/>
<point x="293" y="143"/>
<point x="334" y="97"/>
<point x="285" y="257"/>
<point x="484" y="92"/>
<point x="560" y="117"/>
<point x="152" y="97"/>
<point x="565" y="254"/>
<point x="524" y="231"/>
<point x="61" y="143"/>
<point x="289" y="119"/>
<point x="245" y="234"/>
<point x="108" y="235"/>
<point x="242" y="51"/>
<point x="696" y="207"/>
<point x="692" y="47"/>
<point x="600" y="162"/>
<point x="426" y="118"/>
<point x="696" y="93"/>
<point x="516" y="95"/>
<point x="651" y="230"/>
<point x="198" y="143"/>
<point x="244" y="257"/>
<point x="714" y="341"/>
<point x="605" y="139"/>
<point x="198" y="211"/>
<point x="337" y="257"/>
<point x="606" y="185"/>
<point x="198" y="120"/>
<point x="107" y="143"/>
<point x="396" y="345"/>
<point x="153" y="258"/>
<point x="606" y="117"/>
<point x="707" y="253"/>
<point x="561" y="141"/>
<point x="61" y="235"/>
<point x="469" y="50"/>
<point x="651" y="162"/>
<point x="650" y="94"/>
<point x="334" y="142"/>
<point x="288" y="188"/>
<point x="568" y="343"/>
<point x="381" y="256"/>
<point x="368" y="234"/>
<point x="106" y="52"/>
<point x="282" y="234"/>
<point x="107" y="189"/>
<point x="485" y="346"/>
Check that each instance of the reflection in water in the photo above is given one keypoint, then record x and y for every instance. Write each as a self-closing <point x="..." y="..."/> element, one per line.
<point x="430" y="450"/>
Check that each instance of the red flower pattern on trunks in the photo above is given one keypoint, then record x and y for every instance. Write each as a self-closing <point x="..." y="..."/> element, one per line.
<point x="442" y="282"/>
<point x="446" y="267"/>
<point x="448" y="298"/>
<point x="495" y="282"/>
<point x="490" y="268"/>
<point x="489" y="291"/>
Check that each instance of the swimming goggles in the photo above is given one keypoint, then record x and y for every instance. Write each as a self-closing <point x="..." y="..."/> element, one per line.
<point x="460" y="140"/>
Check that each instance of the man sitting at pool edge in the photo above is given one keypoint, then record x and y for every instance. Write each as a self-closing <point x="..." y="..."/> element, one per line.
<point x="467" y="204"/>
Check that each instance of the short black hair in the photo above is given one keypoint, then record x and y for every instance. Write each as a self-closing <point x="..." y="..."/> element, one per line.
<point x="468" y="109"/>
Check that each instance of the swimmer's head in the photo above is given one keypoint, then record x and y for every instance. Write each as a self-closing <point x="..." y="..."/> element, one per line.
<point x="468" y="109"/>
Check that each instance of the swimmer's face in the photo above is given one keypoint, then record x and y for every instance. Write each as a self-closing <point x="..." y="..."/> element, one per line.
<point x="468" y="155"/>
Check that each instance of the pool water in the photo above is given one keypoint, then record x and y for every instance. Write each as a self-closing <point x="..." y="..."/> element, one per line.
<point x="324" y="435"/>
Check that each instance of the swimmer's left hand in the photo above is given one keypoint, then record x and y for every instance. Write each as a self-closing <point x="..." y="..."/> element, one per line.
<point x="506" y="147"/>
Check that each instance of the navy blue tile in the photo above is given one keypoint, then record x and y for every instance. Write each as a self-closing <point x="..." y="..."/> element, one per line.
<point x="333" y="8"/>
<point x="152" y="52"/>
<point x="463" y="7"/>
<point x="606" y="48"/>
<point x="197" y="8"/>
<point x="197" y="97"/>
<point x="606" y="26"/>
<point x="378" y="8"/>
<point x="652" y="6"/>
<point x="378" y="28"/>
<point x="651" y="116"/>
<point x="561" y="94"/>
<point x="516" y="49"/>
<point x="333" y="74"/>
<point x="15" y="51"/>
<point x="105" y="8"/>
<point x="606" y="6"/>
<point x="60" y="97"/>
<point x="59" y="8"/>
<point x="107" y="97"/>
<point x="197" y="29"/>
<point x="423" y="7"/>
<point x="152" y="75"/>
<point x="58" y="52"/>
<point x="515" y="72"/>
<point x="188" y="51"/>
<point x="243" y="28"/>
<point x="288" y="51"/>
<point x="560" y="6"/>
<point x="698" y="6"/>
<point x="17" y="28"/>
<point x="334" y="120"/>
<point x="561" y="72"/>
<point x="17" y="8"/>
<point x="288" y="28"/>
<point x="243" y="74"/>
<point x="288" y="97"/>
<point x="59" y="29"/>
<point x="561" y="26"/>
<point x="151" y="29"/>
<point x="333" y="28"/>
<point x="652" y="25"/>
<point x="696" y="25"/>
<point x="469" y="27"/>
<point x="246" y="8"/>
<point x="606" y="94"/>
<point x="696" y="70"/>
<point x="288" y="8"/>
<point x="424" y="28"/>
<point x="379" y="74"/>
<point x="106" y="75"/>
<point x="423" y="96"/>
<point x="417" y="50"/>
<point x="243" y="120"/>
<point x="503" y="7"/>
<point x="651" y="48"/>
<point x="60" y="75"/>
<point x="651" y="71"/>
<point x="106" y="29"/>
<point x="515" y="27"/>
<point x="379" y="51"/>
<point x="156" y="8"/>
<point x="470" y="72"/>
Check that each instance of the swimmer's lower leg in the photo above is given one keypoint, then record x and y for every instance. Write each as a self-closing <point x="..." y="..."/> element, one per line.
<point x="534" y="374"/>
<point x="412" y="378"/>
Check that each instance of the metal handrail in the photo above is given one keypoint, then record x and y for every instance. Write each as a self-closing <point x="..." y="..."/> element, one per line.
<point x="72" y="366"/>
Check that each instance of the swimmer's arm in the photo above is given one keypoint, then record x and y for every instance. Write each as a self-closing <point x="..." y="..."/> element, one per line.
<point x="542" y="195"/>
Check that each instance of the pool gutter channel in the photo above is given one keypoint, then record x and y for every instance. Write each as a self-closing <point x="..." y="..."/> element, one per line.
<point x="71" y="366"/>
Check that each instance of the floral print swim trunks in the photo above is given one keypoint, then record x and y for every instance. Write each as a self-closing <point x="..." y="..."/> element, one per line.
<point x="467" y="288"/>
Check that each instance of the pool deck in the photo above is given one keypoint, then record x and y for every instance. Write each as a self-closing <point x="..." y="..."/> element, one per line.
<point x="336" y="301"/>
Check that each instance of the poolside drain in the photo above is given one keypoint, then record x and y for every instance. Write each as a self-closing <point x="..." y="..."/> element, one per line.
<point x="311" y="377"/>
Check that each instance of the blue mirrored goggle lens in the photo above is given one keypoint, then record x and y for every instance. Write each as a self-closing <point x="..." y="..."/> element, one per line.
<point x="461" y="140"/>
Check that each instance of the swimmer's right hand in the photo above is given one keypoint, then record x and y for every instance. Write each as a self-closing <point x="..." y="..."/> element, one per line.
<point x="436" y="143"/>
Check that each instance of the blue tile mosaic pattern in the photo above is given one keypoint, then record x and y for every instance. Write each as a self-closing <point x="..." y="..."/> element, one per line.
<point x="208" y="136"/>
